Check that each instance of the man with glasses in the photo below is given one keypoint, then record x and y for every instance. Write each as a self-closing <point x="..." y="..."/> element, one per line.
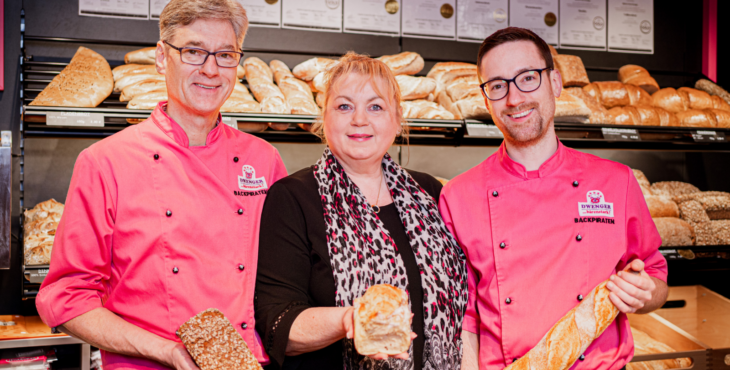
<point x="542" y="224"/>
<point x="162" y="218"/>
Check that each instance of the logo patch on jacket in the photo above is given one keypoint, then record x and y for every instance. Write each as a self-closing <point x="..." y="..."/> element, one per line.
<point x="595" y="205"/>
<point x="249" y="181"/>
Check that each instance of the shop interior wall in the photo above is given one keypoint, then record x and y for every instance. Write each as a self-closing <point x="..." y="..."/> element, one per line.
<point x="49" y="162"/>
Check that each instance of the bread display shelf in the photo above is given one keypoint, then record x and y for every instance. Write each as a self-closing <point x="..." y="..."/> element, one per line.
<point x="685" y="345"/>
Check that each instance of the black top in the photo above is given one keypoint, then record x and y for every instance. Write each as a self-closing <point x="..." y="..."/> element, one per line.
<point x="294" y="271"/>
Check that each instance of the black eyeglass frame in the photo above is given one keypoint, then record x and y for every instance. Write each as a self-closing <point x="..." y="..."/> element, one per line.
<point x="207" y="54"/>
<point x="513" y="80"/>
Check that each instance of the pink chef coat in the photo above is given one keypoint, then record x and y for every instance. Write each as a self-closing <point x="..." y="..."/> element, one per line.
<point x="157" y="231"/>
<point x="566" y="228"/>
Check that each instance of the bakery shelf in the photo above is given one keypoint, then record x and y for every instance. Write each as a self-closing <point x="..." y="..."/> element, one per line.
<point x="685" y="345"/>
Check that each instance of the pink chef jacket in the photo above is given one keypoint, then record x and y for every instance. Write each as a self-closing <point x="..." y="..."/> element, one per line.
<point x="537" y="241"/>
<point x="157" y="231"/>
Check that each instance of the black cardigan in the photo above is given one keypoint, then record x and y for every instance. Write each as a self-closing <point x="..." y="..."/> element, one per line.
<point x="294" y="271"/>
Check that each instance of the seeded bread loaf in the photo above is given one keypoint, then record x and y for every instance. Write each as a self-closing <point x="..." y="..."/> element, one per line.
<point x="674" y="232"/>
<point x="673" y="188"/>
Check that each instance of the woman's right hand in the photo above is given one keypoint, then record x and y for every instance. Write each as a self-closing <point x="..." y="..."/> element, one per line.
<point x="348" y="323"/>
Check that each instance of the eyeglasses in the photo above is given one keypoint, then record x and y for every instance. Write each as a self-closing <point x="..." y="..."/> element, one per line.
<point x="197" y="57"/>
<point x="527" y="81"/>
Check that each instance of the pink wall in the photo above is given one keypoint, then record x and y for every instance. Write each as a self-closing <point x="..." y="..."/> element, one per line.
<point x="709" y="40"/>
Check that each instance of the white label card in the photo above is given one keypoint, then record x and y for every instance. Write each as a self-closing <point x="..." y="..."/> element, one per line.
<point x="631" y="26"/>
<point x="375" y="17"/>
<point x="429" y="19"/>
<point x="540" y="16"/>
<point x="75" y="119"/>
<point x="131" y="9"/>
<point x="583" y="24"/>
<point x="483" y="130"/>
<point x="230" y="122"/>
<point x="263" y="13"/>
<point x="312" y="15"/>
<point x="156" y="7"/>
<point x="477" y="19"/>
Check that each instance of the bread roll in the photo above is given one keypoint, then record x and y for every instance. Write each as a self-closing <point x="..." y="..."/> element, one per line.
<point x="141" y="56"/>
<point x="697" y="118"/>
<point x="132" y="79"/>
<point x="673" y="188"/>
<point x="563" y="344"/>
<point x="721" y="116"/>
<point x="280" y="70"/>
<point x="133" y="69"/>
<point x="238" y="105"/>
<point x="571" y="109"/>
<point x="405" y="63"/>
<point x="721" y="230"/>
<point x="693" y="212"/>
<point x="412" y="88"/>
<point x="674" y="232"/>
<point x="599" y="114"/>
<point x="382" y="321"/>
<point x="448" y="66"/>
<point x="142" y="87"/>
<point x="632" y="74"/>
<point x="697" y="99"/>
<point x="660" y="206"/>
<point x="670" y="99"/>
<point x="214" y="343"/>
<point x="85" y="82"/>
<point x="424" y="109"/>
<point x="148" y="100"/>
<point x="572" y="70"/>
<point x="712" y="89"/>
<point x="310" y="68"/>
<point x="646" y="345"/>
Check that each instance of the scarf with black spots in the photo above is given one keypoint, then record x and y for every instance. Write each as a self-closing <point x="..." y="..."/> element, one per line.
<point x="363" y="254"/>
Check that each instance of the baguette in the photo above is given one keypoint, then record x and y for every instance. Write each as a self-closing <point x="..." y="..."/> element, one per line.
<point x="142" y="87"/>
<point x="240" y="90"/>
<point x="632" y="74"/>
<point x="141" y="56"/>
<point x="310" y="68"/>
<point x="563" y="344"/>
<point x="697" y="118"/>
<point x="133" y="69"/>
<point x="712" y="89"/>
<point x="256" y="69"/>
<point x="660" y="206"/>
<point x="424" y="109"/>
<point x="571" y="109"/>
<point x="674" y="232"/>
<point x="319" y="83"/>
<point x="298" y="96"/>
<point x="280" y="70"/>
<point x="655" y="116"/>
<point x="260" y="80"/>
<point x="382" y="321"/>
<point x="240" y="72"/>
<point x="572" y="70"/>
<point x="148" y="100"/>
<point x="646" y="345"/>
<point x="412" y="88"/>
<point x="131" y="79"/>
<point x="405" y="63"/>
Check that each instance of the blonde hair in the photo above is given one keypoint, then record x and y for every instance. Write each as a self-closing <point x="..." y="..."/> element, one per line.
<point x="178" y="13"/>
<point x="373" y="69"/>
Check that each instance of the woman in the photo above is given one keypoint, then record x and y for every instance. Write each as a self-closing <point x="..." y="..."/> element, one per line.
<point x="353" y="220"/>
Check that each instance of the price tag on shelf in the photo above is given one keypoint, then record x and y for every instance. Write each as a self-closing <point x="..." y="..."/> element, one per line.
<point x="483" y="130"/>
<point x="707" y="136"/>
<point x="36" y="276"/>
<point x="620" y="134"/>
<point x="230" y="122"/>
<point x="75" y="119"/>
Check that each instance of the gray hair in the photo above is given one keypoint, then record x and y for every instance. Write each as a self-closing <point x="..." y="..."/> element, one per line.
<point x="180" y="13"/>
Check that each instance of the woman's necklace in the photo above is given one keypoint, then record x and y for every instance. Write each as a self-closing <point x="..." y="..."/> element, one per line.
<point x="375" y="206"/>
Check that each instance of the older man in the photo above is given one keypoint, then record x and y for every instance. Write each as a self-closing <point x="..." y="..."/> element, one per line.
<point x="542" y="224"/>
<point x="162" y="219"/>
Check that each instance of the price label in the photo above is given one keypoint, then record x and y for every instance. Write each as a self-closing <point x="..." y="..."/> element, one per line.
<point x="75" y="119"/>
<point x="36" y="276"/>
<point x="230" y="122"/>
<point x="620" y="134"/>
<point x="708" y="136"/>
<point x="482" y="130"/>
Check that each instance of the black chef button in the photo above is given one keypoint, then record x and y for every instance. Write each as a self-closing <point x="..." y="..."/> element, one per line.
<point x="241" y="267"/>
<point x="175" y="270"/>
<point x="235" y="159"/>
<point x="495" y="193"/>
<point x="240" y="211"/>
<point x="244" y="326"/>
<point x="157" y="156"/>
<point x="508" y="300"/>
<point x="575" y="183"/>
<point x="580" y="297"/>
<point x="578" y="237"/>
<point x="502" y="245"/>
<point x="168" y="213"/>
<point x="582" y="357"/>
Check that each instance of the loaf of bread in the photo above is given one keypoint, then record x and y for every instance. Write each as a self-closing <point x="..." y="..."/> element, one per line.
<point x="643" y="115"/>
<point x="693" y="212"/>
<point x="444" y="100"/>
<point x="722" y="117"/>
<point x="670" y="99"/>
<point x="646" y="345"/>
<point x="131" y="79"/>
<point x="719" y="103"/>
<point x="412" y="88"/>
<point x="641" y="178"/>
<point x="627" y="115"/>
<point x="311" y="67"/>
<point x="712" y="89"/>
<point x="240" y="90"/>
<point x="568" y="108"/>
<point x="280" y="70"/>
<point x="298" y="95"/>
<point x="572" y="70"/>
<point x="39" y="231"/>
<point x="599" y="114"/>
<point x="141" y="56"/>
<point x="85" y="82"/>
<point x="721" y="231"/>
<point x="448" y="66"/>
<point x="674" y="232"/>
<point x="698" y="99"/>
<point x="463" y="87"/>
<point x="424" y="109"/>
<point x="261" y="81"/>
<point x="382" y="321"/>
<point x="133" y="69"/>
<point x="563" y="344"/>
<point x="704" y="233"/>
<point x="240" y="72"/>
<point x="697" y="118"/>
<point x="473" y="107"/>
<point x="715" y="203"/>
<point x="214" y="344"/>
<point x="319" y="98"/>
<point x="257" y="69"/>
<point x="236" y="104"/>
<point x="142" y="87"/>
<point x="405" y="63"/>
<point x="616" y="94"/>
<point x="147" y="100"/>
<point x="673" y="189"/>
<point x="444" y="78"/>
<point x="553" y="52"/>
<point x="632" y="74"/>
<point x="660" y="206"/>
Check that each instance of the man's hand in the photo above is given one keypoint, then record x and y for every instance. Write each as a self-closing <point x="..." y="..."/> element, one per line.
<point x="348" y="323"/>
<point x="179" y="358"/>
<point x="634" y="291"/>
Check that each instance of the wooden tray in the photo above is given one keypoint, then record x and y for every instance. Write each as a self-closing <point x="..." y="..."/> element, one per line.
<point x="25" y="327"/>
<point x="684" y="343"/>
<point x="706" y="316"/>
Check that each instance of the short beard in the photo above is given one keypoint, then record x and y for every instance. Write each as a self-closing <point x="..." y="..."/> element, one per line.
<point x="528" y="133"/>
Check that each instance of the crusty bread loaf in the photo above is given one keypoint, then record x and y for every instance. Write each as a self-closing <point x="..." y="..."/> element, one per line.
<point x="646" y="345"/>
<point x="670" y="99"/>
<point x="424" y="109"/>
<point x="632" y="74"/>
<point x="697" y="118"/>
<point x="563" y="344"/>
<point x="214" y="344"/>
<point x="382" y="321"/>
<point x="311" y="67"/>
<point x="85" y="82"/>
<point x="473" y="107"/>
<point x="405" y="63"/>
<point x="240" y="90"/>
<point x="131" y="79"/>
<point x="599" y="114"/>
<point x="444" y="100"/>
<point x="722" y="117"/>
<point x="698" y="99"/>
<point x="260" y="80"/>
<point x="240" y="72"/>
<point x="141" y="56"/>
<point x="572" y="70"/>
<point x="712" y="89"/>
<point x="704" y="233"/>
<point x="280" y="70"/>
<point x="236" y="104"/>
<point x="133" y="69"/>
<point x="693" y="212"/>
<point x="673" y="188"/>
<point x="721" y="231"/>
<point x="568" y="108"/>
<point x="463" y="87"/>
<point x="627" y="115"/>
<point x="674" y="232"/>
<point x="257" y="69"/>
<point x="298" y="95"/>
<point x="39" y="231"/>
<point x="448" y="66"/>
<point x="615" y="94"/>
<point x="660" y="206"/>
<point x="147" y="100"/>
<point x="142" y="87"/>
<point x="412" y="88"/>
<point x="715" y="203"/>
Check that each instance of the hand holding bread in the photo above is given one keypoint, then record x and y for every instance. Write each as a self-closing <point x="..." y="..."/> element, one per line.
<point x="632" y="288"/>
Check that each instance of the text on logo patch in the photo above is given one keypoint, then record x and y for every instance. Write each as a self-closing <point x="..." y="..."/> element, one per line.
<point x="249" y="181"/>
<point x="595" y="205"/>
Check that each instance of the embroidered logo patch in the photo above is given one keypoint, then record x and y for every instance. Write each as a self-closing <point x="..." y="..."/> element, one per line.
<point x="249" y="181"/>
<point x="595" y="205"/>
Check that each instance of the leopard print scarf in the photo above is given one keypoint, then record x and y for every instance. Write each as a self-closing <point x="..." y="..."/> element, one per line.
<point x="362" y="254"/>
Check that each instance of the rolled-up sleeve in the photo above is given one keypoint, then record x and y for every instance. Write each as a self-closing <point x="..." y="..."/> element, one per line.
<point x="81" y="257"/>
<point x="642" y="238"/>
